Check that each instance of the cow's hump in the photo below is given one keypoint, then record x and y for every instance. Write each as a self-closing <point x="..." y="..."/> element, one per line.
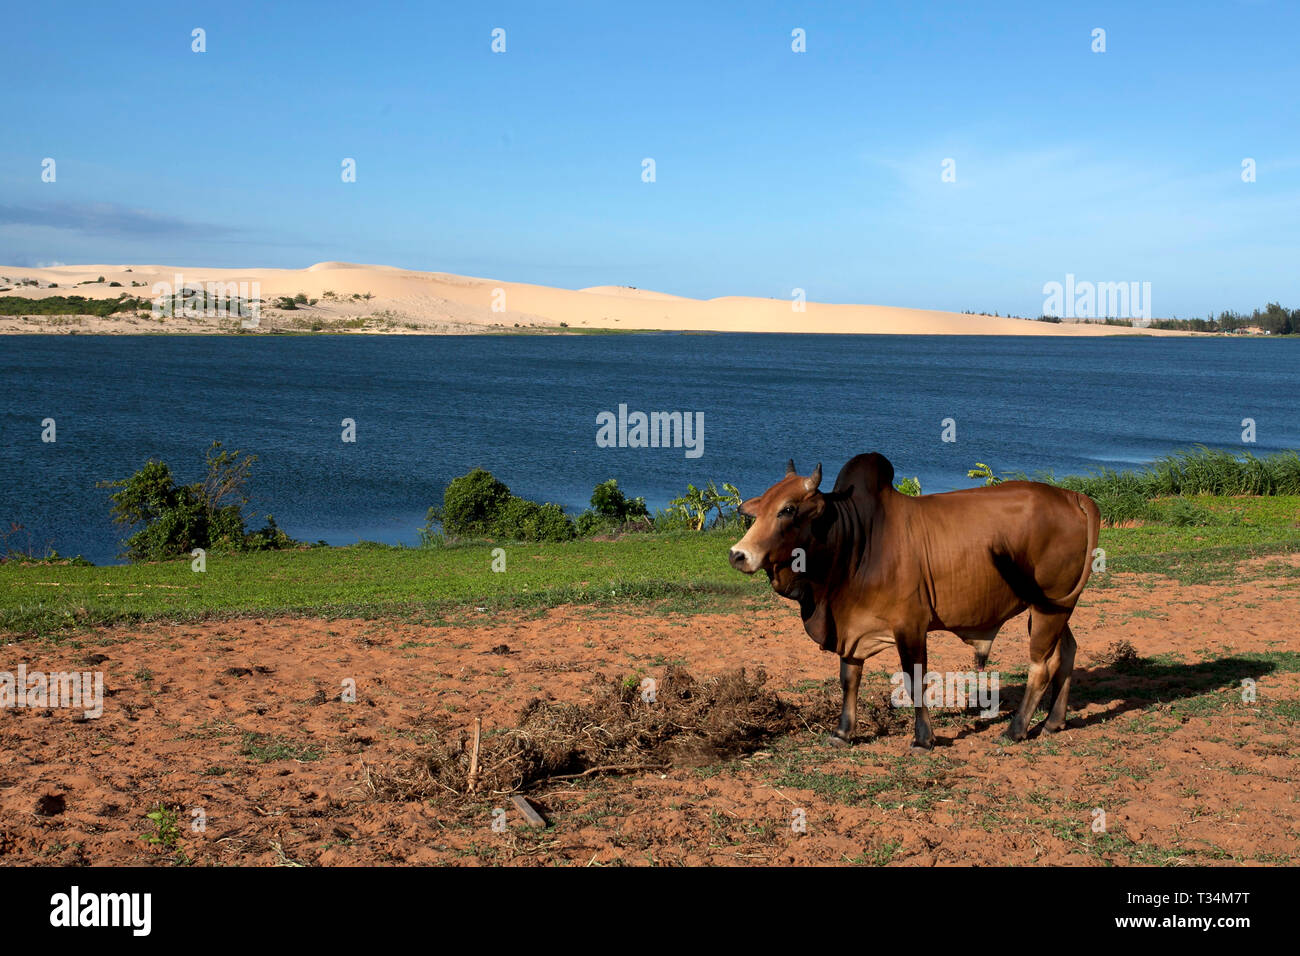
<point x="865" y="474"/>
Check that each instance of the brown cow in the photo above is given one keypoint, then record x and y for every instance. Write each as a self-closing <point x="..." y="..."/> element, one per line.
<point x="878" y="568"/>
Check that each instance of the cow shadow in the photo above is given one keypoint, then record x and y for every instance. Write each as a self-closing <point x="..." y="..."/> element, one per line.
<point x="1125" y="686"/>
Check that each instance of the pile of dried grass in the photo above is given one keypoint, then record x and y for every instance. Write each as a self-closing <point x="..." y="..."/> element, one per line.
<point x="689" y="723"/>
<point x="1121" y="655"/>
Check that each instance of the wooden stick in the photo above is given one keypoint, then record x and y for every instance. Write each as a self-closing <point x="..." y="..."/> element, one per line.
<point x="530" y="813"/>
<point x="472" y="782"/>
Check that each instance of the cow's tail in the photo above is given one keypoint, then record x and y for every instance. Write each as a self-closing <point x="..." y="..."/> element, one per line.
<point x="1093" y="515"/>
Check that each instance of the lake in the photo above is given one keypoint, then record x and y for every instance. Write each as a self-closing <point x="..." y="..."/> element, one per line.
<point x="428" y="408"/>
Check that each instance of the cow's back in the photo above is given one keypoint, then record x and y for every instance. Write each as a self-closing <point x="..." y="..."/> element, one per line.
<point x="986" y="552"/>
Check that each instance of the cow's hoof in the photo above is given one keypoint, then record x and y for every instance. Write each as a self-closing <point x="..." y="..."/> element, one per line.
<point x="832" y="740"/>
<point x="922" y="748"/>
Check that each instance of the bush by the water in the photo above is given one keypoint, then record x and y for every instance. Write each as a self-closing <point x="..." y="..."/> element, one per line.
<point x="470" y="504"/>
<point x="612" y="510"/>
<point x="524" y="520"/>
<point x="1128" y="497"/>
<point x="478" y="505"/>
<point x="702" y="508"/>
<point x="178" y="518"/>
<point x="908" y="486"/>
<point x="1198" y="471"/>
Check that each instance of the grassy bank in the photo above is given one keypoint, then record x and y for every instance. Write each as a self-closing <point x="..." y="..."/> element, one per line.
<point x="1196" y="471"/>
<point x="367" y="580"/>
<point x="684" y="571"/>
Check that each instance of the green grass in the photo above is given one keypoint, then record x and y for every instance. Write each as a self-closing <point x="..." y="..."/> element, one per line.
<point x="264" y="748"/>
<point x="683" y="571"/>
<point x="1253" y="528"/>
<point x="369" y="580"/>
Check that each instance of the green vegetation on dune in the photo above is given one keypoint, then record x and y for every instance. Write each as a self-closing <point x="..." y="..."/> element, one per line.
<point x="71" y="305"/>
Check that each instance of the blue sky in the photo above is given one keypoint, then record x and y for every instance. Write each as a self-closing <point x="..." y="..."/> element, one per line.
<point x="774" y="170"/>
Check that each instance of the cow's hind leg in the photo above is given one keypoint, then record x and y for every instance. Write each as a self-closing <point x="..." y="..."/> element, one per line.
<point x="912" y="654"/>
<point x="1045" y="632"/>
<point x="850" y="676"/>
<point x="1062" y="666"/>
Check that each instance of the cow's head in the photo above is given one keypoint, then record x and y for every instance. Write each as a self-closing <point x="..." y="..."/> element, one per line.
<point x="782" y="518"/>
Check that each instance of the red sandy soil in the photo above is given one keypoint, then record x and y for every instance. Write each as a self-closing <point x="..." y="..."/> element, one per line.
<point x="1217" y="784"/>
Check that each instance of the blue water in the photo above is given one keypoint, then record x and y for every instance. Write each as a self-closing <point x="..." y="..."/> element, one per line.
<point x="430" y="408"/>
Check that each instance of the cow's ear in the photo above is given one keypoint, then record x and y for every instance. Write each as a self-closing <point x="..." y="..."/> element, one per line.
<point x="812" y="506"/>
<point x="748" y="509"/>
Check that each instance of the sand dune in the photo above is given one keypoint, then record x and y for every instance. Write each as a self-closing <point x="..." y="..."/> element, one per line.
<point x="631" y="292"/>
<point x="405" y="301"/>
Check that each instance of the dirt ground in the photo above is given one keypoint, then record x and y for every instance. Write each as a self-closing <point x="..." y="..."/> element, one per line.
<point x="242" y="720"/>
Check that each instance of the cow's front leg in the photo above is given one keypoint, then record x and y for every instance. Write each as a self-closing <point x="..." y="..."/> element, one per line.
<point x="912" y="655"/>
<point x="850" y="676"/>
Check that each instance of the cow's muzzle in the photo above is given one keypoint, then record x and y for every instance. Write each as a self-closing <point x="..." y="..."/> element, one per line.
<point x="741" y="561"/>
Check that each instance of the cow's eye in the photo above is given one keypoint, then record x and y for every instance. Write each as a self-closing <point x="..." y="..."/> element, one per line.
<point x="786" y="512"/>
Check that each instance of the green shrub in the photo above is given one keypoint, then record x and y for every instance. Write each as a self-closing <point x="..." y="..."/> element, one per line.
<point x="672" y="519"/>
<point x="179" y="518"/>
<point x="69" y="305"/>
<point x="696" y="506"/>
<point x="611" y="509"/>
<point x="269" y="537"/>
<point x="470" y="505"/>
<point x="909" y="486"/>
<point x="982" y="470"/>
<point x="524" y="520"/>
<point x="477" y="505"/>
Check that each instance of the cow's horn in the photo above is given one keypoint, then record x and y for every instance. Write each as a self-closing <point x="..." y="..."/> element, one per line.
<point x="815" y="479"/>
<point x="789" y="468"/>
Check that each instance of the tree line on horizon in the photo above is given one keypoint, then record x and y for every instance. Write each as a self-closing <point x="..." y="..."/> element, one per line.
<point x="1273" y="318"/>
